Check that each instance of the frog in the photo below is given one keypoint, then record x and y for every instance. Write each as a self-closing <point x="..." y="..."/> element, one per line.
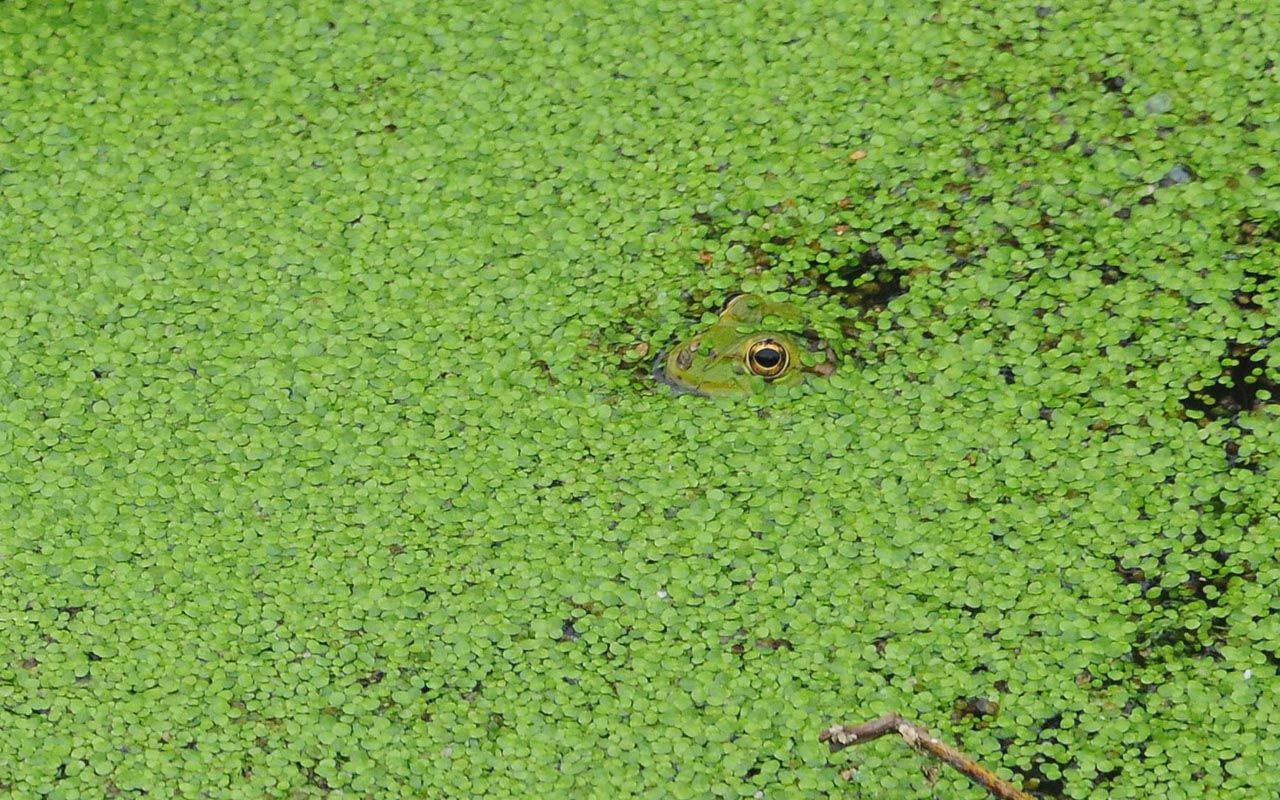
<point x="754" y="343"/>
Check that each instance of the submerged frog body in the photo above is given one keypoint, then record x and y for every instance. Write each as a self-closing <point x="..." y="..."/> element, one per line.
<point x="753" y="343"/>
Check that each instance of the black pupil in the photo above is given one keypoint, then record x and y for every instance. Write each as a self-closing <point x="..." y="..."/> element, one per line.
<point x="768" y="357"/>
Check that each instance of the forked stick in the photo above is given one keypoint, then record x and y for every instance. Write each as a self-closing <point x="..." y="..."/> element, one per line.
<point x="838" y="737"/>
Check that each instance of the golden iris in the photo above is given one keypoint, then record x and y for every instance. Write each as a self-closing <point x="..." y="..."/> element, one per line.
<point x="767" y="358"/>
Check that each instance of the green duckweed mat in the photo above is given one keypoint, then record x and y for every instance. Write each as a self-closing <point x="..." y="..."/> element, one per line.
<point x="333" y="467"/>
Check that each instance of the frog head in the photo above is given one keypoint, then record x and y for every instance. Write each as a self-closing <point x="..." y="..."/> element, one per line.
<point x="752" y="344"/>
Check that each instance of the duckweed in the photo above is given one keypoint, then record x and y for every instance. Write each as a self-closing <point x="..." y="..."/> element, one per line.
<point x="332" y="466"/>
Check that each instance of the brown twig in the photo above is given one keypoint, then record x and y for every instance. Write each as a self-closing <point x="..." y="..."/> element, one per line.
<point x="838" y="737"/>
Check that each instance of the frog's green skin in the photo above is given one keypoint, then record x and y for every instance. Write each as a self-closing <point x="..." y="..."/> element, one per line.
<point x="730" y="357"/>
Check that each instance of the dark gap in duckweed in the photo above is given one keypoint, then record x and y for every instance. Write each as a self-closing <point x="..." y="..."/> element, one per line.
<point x="71" y="610"/>
<point x="981" y="710"/>
<point x="1111" y="274"/>
<point x="868" y="282"/>
<point x="833" y="260"/>
<point x="568" y="631"/>
<point x="374" y="677"/>
<point x="775" y="643"/>
<point x="634" y="355"/>
<point x="1034" y="779"/>
<point x="1271" y="656"/>
<point x="1032" y="775"/>
<point x="708" y="222"/>
<point x="1173" y="642"/>
<point x="1251" y="230"/>
<point x="1177" y="621"/>
<point x="1247" y="298"/>
<point x="1105" y="776"/>
<point x="1245" y="385"/>
<point x="1112" y="83"/>
<point x="312" y="777"/>
<point x="1177" y="175"/>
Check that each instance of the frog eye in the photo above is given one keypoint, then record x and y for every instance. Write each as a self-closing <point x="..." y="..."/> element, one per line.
<point x="767" y="358"/>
